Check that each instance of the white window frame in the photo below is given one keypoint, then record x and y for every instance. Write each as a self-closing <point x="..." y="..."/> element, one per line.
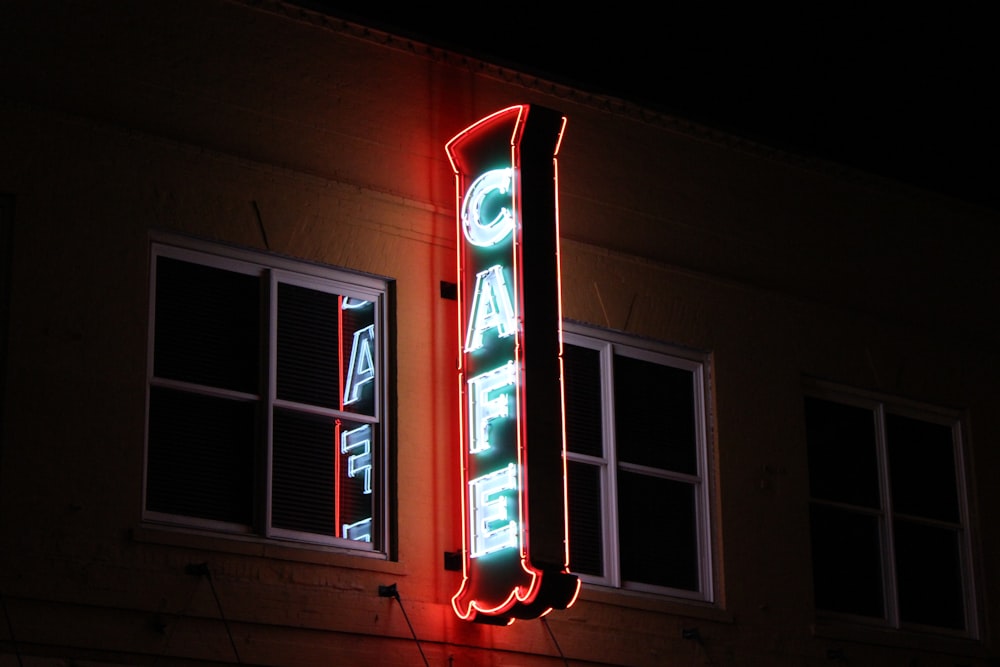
<point x="882" y="405"/>
<point x="274" y="269"/>
<point x="608" y="343"/>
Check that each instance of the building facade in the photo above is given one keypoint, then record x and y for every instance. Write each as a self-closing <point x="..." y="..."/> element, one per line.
<point x="232" y="404"/>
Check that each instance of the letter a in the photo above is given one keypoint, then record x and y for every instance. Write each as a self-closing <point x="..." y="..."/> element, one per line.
<point x="491" y="308"/>
<point x="362" y="367"/>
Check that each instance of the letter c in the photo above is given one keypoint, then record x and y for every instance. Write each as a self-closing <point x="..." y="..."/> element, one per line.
<point x="493" y="181"/>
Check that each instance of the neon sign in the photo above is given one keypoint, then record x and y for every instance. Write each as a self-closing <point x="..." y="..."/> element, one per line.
<point x="515" y="552"/>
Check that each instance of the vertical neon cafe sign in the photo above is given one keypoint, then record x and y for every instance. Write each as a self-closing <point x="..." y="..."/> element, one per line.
<point x="515" y="548"/>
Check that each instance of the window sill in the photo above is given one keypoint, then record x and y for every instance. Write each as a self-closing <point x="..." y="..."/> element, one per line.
<point x="845" y="631"/>
<point x="250" y="545"/>
<point x="652" y="602"/>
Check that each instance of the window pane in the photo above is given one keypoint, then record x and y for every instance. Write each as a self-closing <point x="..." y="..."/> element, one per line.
<point x="929" y="578"/>
<point x="313" y="457"/>
<point x="582" y="367"/>
<point x="922" y="468"/>
<point x="308" y="346"/>
<point x="207" y="326"/>
<point x="357" y="480"/>
<point x="654" y="415"/>
<point x="847" y="571"/>
<point x="658" y="540"/>
<point x="303" y="472"/>
<point x="201" y="456"/>
<point x="6" y="254"/>
<point x="843" y="464"/>
<point x="586" y="536"/>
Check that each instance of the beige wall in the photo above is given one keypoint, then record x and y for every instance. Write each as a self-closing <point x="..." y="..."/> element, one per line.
<point x="119" y="120"/>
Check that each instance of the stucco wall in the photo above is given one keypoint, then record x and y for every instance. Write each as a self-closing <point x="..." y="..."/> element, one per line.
<point x="259" y="125"/>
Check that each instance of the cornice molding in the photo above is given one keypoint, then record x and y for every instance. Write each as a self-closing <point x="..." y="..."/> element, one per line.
<point x="604" y="103"/>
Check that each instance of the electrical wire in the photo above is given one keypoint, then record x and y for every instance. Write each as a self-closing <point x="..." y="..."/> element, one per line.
<point x="168" y="628"/>
<point x="390" y="591"/>
<point x="203" y="570"/>
<point x="225" y="621"/>
<point x="555" y="641"/>
<point x="10" y="631"/>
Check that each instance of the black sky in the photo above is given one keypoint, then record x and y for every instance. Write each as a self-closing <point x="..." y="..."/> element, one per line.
<point x="891" y="91"/>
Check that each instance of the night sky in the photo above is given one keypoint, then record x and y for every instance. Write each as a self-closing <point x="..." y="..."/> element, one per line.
<point x="900" y="94"/>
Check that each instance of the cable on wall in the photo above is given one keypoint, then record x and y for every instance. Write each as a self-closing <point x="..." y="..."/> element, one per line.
<point x="391" y="592"/>
<point x="260" y="224"/>
<point x="167" y="628"/>
<point x="10" y="630"/>
<point x="555" y="641"/>
<point x="693" y="634"/>
<point x="201" y="569"/>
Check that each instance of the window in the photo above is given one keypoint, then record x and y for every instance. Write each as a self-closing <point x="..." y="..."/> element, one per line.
<point x="637" y="465"/>
<point x="889" y="526"/>
<point x="266" y="413"/>
<point x="6" y="257"/>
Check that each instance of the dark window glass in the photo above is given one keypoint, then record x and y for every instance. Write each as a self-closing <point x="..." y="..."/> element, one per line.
<point x="929" y="575"/>
<point x="654" y="415"/>
<point x="843" y="463"/>
<point x="201" y="456"/>
<point x="658" y="536"/>
<point x="207" y="326"/>
<point x="847" y="571"/>
<point x="582" y="390"/>
<point x="6" y="254"/>
<point x="586" y="539"/>
<point x="303" y="473"/>
<point x="308" y="346"/>
<point x="922" y="468"/>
